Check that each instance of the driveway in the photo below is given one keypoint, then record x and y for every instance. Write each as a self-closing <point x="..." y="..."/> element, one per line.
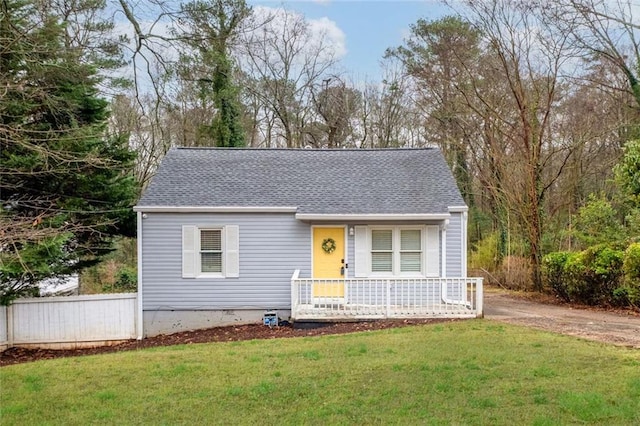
<point x="610" y="327"/>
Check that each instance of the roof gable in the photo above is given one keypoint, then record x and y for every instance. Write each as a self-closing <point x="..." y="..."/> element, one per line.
<point x="354" y="182"/>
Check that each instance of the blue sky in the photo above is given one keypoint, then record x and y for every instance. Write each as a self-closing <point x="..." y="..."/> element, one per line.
<point x="370" y="27"/>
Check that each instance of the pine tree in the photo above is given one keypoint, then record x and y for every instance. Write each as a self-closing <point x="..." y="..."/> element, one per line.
<point x="66" y="188"/>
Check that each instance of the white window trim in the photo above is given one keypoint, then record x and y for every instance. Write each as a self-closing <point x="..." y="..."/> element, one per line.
<point x="191" y="251"/>
<point x="395" y="246"/>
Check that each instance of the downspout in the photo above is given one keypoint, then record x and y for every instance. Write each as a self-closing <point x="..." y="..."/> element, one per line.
<point x="140" y="319"/>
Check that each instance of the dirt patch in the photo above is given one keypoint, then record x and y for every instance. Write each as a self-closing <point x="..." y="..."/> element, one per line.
<point x="216" y="334"/>
<point x="618" y="327"/>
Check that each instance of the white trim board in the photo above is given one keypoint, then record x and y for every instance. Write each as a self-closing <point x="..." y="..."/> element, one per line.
<point x="368" y="217"/>
<point x="215" y="209"/>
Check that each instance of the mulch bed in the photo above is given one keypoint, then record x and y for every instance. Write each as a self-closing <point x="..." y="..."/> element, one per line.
<point x="217" y="334"/>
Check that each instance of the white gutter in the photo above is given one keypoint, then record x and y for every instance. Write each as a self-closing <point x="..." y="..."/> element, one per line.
<point x="140" y="322"/>
<point x="370" y="217"/>
<point x="215" y="209"/>
<point x="458" y="209"/>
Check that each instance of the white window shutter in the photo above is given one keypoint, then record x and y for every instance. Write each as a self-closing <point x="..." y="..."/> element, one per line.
<point x="432" y="251"/>
<point x="362" y="251"/>
<point x="232" y="251"/>
<point x="189" y="251"/>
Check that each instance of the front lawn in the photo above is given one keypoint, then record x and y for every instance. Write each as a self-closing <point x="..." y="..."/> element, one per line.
<point x="467" y="372"/>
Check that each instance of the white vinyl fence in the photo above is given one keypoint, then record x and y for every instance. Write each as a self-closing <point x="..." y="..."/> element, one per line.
<point x="69" y="321"/>
<point x="4" y="338"/>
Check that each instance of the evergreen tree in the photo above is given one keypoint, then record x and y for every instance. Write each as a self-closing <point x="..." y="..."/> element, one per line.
<point x="66" y="188"/>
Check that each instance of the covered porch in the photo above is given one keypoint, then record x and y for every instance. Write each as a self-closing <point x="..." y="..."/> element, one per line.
<point x="381" y="297"/>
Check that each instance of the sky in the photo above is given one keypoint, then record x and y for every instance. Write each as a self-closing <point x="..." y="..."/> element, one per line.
<point x="366" y="28"/>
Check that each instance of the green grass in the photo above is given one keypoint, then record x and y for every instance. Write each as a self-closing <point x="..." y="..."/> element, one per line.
<point x="474" y="372"/>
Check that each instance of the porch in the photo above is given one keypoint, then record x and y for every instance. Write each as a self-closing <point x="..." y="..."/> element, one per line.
<point x="378" y="298"/>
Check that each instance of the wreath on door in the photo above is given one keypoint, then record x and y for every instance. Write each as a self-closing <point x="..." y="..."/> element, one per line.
<point x="329" y="245"/>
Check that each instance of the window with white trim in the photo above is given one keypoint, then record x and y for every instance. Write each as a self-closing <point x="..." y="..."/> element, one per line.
<point x="400" y="250"/>
<point x="210" y="251"/>
<point x="382" y="250"/>
<point x="397" y="251"/>
<point x="411" y="250"/>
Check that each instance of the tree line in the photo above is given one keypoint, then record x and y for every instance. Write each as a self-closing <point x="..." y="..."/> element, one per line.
<point x="532" y="103"/>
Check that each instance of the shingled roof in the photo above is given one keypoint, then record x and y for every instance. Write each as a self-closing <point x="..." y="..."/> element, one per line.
<point x="324" y="182"/>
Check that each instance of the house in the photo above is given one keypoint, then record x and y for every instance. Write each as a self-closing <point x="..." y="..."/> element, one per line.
<point x="227" y="234"/>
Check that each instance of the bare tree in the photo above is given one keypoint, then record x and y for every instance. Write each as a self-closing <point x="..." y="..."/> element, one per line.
<point x="284" y="60"/>
<point x="336" y="105"/>
<point x="604" y="28"/>
<point x="529" y="58"/>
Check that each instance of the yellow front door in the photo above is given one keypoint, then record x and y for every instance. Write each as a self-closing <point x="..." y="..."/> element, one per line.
<point x="328" y="262"/>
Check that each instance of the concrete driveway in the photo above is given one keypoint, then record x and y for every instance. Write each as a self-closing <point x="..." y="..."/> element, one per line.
<point x="610" y="327"/>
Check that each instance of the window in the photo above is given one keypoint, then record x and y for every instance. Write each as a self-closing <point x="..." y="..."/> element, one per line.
<point x="210" y="251"/>
<point x="412" y="251"/>
<point x="381" y="250"/>
<point x="396" y="251"/>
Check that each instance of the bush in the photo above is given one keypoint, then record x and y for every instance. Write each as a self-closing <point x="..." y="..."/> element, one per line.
<point x="630" y="292"/>
<point x="594" y="274"/>
<point x="597" y="222"/>
<point x="485" y="255"/>
<point x="116" y="272"/>
<point x="127" y="280"/>
<point x="553" y="273"/>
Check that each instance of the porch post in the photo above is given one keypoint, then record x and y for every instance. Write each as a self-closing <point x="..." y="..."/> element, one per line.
<point x="479" y="298"/>
<point x="388" y="308"/>
<point x="294" y="293"/>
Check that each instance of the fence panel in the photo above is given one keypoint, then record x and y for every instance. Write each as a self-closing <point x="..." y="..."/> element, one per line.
<point x="4" y="337"/>
<point x="72" y="319"/>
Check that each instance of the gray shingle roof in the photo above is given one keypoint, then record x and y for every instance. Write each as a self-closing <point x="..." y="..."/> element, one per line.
<point x="382" y="181"/>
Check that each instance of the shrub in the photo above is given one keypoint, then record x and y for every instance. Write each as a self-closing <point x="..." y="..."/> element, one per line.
<point x="127" y="280"/>
<point x="553" y="273"/>
<point x="485" y="255"/>
<point x="593" y="274"/>
<point x="597" y="222"/>
<point x="598" y="275"/>
<point x="630" y="292"/>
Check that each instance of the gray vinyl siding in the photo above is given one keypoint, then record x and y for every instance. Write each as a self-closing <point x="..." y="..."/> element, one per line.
<point x="454" y="246"/>
<point x="271" y="247"/>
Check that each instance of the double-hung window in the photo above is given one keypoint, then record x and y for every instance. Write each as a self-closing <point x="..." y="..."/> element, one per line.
<point x="210" y="251"/>
<point x="411" y="251"/>
<point x="396" y="251"/>
<point x="382" y="250"/>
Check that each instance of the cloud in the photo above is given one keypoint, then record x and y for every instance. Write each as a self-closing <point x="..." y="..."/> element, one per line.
<point x="334" y="36"/>
<point x="322" y="31"/>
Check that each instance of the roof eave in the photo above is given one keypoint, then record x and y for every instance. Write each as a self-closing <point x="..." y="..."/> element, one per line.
<point x="215" y="209"/>
<point x="458" y="209"/>
<point x="372" y="217"/>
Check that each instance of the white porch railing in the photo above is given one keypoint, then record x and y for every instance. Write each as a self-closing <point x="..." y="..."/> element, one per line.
<point x="371" y="298"/>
